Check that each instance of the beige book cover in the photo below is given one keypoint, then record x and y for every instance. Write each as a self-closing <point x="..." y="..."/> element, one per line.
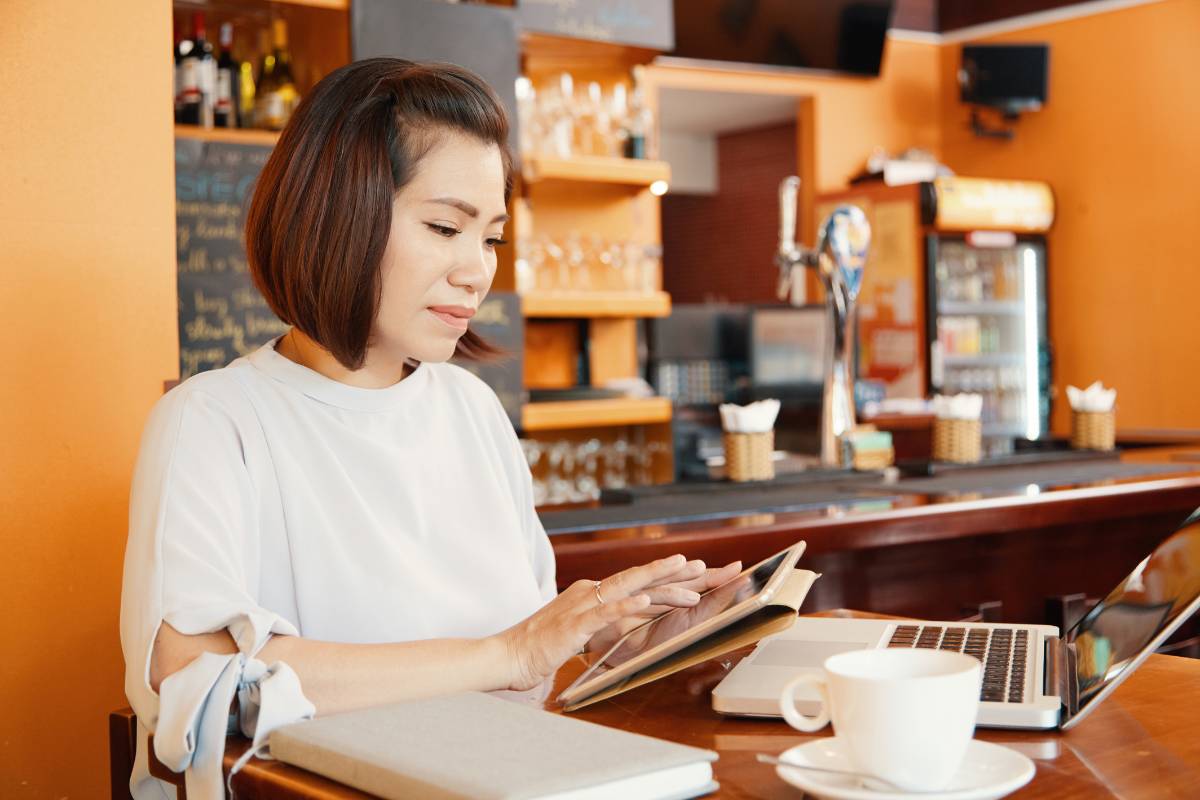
<point x="473" y="745"/>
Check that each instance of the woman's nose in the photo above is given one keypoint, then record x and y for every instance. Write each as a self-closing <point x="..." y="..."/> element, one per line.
<point x="473" y="268"/>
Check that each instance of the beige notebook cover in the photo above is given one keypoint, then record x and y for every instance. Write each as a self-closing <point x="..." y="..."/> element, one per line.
<point x="474" y="745"/>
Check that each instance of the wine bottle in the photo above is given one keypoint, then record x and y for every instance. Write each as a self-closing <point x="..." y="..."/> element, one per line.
<point x="199" y="77"/>
<point x="225" y="105"/>
<point x="276" y="92"/>
<point x="187" y="98"/>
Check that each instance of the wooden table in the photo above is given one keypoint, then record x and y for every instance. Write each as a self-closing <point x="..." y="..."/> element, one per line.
<point x="1141" y="743"/>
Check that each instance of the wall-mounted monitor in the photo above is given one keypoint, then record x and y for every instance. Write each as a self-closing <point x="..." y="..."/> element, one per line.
<point x="1010" y="77"/>
<point x="844" y="36"/>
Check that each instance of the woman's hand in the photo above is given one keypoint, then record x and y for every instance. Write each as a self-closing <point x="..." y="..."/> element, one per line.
<point x="681" y="590"/>
<point x="538" y="645"/>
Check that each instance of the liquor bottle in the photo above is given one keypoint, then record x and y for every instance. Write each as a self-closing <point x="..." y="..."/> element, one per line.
<point x="266" y="65"/>
<point x="276" y="92"/>
<point x="225" y="103"/>
<point x="245" y="87"/>
<point x="199" y="77"/>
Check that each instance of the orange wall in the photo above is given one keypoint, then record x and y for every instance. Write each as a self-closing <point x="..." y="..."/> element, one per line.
<point x="1117" y="140"/>
<point x="87" y="296"/>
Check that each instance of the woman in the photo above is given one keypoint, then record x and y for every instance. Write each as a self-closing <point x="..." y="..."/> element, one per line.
<point x="341" y="504"/>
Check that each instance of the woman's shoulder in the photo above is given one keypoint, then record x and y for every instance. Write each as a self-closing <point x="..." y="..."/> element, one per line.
<point x="217" y="394"/>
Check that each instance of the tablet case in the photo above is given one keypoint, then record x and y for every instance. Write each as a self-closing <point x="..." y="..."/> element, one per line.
<point x="779" y="613"/>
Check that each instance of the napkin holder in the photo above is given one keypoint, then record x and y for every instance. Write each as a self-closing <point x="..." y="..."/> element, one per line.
<point x="748" y="456"/>
<point x="959" y="441"/>
<point x="1093" y="430"/>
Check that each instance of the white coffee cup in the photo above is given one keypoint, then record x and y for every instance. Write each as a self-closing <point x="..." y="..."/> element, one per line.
<point x="903" y="715"/>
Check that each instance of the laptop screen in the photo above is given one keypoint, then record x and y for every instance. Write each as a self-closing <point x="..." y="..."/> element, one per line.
<point x="1144" y="609"/>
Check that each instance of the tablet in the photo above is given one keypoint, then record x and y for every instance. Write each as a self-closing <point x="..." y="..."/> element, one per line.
<point x="672" y="631"/>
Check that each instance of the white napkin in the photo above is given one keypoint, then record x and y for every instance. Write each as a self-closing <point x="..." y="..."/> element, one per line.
<point x="631" y="387"/>
<point x="897" y="405"/>
<point x="958" y="406"/>
<point x="1094" y="398"/>
<point x="755" y="418"/>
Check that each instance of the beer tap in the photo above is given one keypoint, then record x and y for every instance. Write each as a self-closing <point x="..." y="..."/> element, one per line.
<point x="839" y="258"/>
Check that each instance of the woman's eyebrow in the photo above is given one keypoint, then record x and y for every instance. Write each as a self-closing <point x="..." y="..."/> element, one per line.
<point x="465" y="207"/>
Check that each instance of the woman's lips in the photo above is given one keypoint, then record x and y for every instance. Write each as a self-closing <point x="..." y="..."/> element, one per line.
<point x="459" y="322"/>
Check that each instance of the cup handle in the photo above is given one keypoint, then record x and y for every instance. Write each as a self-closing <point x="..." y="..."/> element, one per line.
<point x="787" y="704"/>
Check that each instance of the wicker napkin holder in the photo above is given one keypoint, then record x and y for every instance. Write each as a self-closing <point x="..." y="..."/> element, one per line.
<point x="748" y="456"/>
<point x="957" y="440"/>
<point x="1093" y="430"/>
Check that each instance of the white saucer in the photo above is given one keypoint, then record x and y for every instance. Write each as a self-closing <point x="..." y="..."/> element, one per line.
<point x="988" y="771"/>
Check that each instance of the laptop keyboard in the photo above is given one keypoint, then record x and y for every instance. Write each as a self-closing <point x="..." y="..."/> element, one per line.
<point x="1003" y="651"/>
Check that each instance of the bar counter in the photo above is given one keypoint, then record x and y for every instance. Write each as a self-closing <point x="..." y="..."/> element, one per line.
<point x="936" y="547"/>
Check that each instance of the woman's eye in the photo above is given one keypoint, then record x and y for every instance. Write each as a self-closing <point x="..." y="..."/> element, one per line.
<point x="496" y="242"/>
<point x="442" y="230"/>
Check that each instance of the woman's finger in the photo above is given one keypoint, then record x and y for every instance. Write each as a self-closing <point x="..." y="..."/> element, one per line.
<point x="634" y="579"/>
<point x="715" y="577"/>
<point x="712" y="578"/>
<point x="601" y="616"/>
<point x="673" y="595"/>
<point x="690" y="571"/>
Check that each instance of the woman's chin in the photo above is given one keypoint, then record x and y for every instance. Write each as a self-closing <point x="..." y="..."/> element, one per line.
<point x="435" y="352"/>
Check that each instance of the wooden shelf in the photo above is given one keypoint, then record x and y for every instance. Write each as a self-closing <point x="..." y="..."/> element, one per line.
<point x="201" y="5"/>
<point x="639" y="172"/>
<point x="594" y="413"/>
<point x="229" y="135"/>
<point x="596" y="304"/>
<point x="336" y="5"/>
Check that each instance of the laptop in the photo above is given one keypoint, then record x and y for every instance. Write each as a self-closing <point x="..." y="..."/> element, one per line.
<point x="1032" y="677"/>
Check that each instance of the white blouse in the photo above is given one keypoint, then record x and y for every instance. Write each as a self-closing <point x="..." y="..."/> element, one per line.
<point x="268" y="498"/>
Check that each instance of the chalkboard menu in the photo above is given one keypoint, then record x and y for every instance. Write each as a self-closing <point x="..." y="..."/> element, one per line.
<point x="499" y="321"/>
<point x="641" y="23"/>
<point x="221" y="315"/>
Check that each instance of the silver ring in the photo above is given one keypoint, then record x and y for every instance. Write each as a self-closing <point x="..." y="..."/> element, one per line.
<point x="596" y="587"/>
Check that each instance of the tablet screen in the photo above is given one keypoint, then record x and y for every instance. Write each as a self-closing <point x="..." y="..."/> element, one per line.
<point x="678" y="620"/>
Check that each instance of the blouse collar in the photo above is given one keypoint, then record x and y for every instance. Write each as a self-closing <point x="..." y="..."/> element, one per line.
<point x="335" y="393"/>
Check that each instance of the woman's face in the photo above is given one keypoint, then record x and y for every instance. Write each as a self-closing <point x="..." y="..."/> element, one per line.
<point x="440" y="257"/>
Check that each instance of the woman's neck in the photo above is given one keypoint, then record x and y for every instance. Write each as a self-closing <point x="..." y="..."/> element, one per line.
<point x="376" y="373"/>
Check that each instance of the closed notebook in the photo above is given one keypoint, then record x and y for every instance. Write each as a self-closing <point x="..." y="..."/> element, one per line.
<point x="474" y="745"/>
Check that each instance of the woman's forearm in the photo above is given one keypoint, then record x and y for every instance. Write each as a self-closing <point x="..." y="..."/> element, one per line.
<point x="339" y="677"/>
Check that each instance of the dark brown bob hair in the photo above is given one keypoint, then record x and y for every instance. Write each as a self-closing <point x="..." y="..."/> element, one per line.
<point x="319" y="220"/>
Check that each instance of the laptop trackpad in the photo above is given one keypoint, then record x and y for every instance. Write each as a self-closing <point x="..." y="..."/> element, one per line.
<point x="793" y="653"/>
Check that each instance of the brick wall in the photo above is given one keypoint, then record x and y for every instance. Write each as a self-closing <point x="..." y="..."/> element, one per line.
<point x="721" y="247"/>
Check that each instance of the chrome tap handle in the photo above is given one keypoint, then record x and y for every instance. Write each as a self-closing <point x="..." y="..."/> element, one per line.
<point x="845" y="238"/>
<point x="789" y="256"/>
<point x="789" y="188"/>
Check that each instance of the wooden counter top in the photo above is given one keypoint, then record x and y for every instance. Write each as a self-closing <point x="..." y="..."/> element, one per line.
<point x="977" y="544"/>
